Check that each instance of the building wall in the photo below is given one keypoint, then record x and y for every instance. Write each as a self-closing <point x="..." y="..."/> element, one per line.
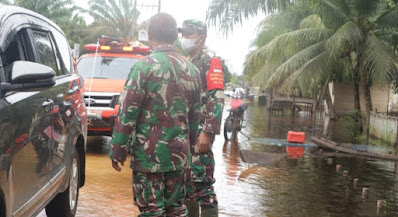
<point x="379" y="95"/>
<point x="343" y="94"/>
<point x="393" y="101"/>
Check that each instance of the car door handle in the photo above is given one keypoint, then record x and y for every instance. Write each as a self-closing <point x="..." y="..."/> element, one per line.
<point x="73" y="90"/>
<point x="47" y="103"/>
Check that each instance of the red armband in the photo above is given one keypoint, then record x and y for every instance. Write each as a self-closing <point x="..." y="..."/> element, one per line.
<point x="215" y="76"/>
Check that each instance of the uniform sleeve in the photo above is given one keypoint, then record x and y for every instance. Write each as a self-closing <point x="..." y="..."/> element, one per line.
<point x="194" y="113"/>
<point x="124" y="132"/>
<point x="212" y="106"/>
<point x="212" y="109"/>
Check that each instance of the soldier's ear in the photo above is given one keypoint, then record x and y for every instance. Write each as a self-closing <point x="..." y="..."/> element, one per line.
<point x="149" y="35"/>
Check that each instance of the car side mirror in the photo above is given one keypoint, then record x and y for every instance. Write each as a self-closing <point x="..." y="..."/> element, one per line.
<point x="27" y="75"/>
<point x="30" y="72"/>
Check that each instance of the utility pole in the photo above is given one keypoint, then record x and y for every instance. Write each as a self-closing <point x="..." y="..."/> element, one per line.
<point x="151" y="4"/>
<point x="134" y="17"/>
<point x="142" y="5"/>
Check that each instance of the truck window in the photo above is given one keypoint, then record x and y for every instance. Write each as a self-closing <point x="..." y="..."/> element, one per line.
<point x="106" y="67"/>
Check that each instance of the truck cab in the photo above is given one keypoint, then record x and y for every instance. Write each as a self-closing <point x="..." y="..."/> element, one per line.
<point x="105" y="70"/>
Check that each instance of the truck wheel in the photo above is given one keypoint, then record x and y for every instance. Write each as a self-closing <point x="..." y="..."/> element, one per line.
<point x="65" y="203"/>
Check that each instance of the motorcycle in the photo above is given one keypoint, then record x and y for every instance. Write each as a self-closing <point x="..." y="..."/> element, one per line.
<point x="234" y="121"/>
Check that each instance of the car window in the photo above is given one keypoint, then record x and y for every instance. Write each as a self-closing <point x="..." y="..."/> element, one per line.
<point x="45" y="50"/>
<point x="12" y="53"/>
<point x="64" y="50"/>
<point x="57" y="57"/>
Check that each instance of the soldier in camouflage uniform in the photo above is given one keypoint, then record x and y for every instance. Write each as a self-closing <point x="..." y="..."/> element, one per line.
<point x="200" y="187"/>
<point x="158" y="122"/>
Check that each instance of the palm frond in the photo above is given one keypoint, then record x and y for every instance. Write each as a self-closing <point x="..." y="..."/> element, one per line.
<point x="295" y="63"/>
<point x="112" y="14"/>
<point x="312" y="21"/>
<point x="345" y="39"/>
<point x="313" y="72"/>
<point x="287" y="44"/>
<point x="336" y="12"/>
<point x="388" y="19"/>
<point x="378" y="60"/>
<point x="366" y="8"/>
<point x="230" y="12"/>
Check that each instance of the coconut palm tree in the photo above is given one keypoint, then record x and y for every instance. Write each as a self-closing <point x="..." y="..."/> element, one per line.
<point x="114" y="18"/>
<point x="341" y="36"/>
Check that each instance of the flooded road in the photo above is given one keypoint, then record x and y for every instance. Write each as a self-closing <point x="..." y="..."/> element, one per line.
<point x="299" y="185"/>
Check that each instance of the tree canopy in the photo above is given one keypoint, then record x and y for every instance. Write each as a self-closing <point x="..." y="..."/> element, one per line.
<point x="114" y="18"/>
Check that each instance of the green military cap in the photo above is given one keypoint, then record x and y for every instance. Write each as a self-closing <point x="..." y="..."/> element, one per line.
<point x="192" y="26"/>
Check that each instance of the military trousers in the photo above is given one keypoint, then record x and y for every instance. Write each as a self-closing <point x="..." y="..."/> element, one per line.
<point x="160" y="194"/>
<point x="200" y="180"/>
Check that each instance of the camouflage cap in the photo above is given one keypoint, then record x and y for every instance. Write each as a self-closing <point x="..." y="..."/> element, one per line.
<point x="192" y="26"/>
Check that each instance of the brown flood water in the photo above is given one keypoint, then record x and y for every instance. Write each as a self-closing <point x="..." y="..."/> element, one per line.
<point x="300" y="186"/>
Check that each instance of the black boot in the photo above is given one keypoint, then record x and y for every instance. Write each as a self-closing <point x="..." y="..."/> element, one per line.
<point x="192" y="207"/>
<point x="206" y="211"/>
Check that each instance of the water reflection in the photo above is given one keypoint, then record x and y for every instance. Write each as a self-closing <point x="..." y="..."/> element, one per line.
<point x="300" y="184"/>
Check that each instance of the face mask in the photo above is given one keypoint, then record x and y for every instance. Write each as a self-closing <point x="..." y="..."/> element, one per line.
<point x="188" y="45"/>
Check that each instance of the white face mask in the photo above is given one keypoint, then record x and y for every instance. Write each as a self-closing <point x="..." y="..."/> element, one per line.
<point x="188" y="45"/>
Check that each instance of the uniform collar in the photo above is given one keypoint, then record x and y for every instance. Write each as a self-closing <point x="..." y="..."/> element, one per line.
<point x="164" y="48"/>
<point x="199" y="54"/>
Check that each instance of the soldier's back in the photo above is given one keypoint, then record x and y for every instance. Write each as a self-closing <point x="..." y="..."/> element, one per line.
<point x="172" y="90"/>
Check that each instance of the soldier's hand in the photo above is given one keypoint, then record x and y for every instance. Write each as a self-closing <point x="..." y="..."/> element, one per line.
<point x="115" y="165"/>
<point x="204" y="142"/>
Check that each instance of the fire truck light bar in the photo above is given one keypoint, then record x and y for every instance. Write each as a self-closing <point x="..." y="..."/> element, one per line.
<point x="118" y="49"/>
<point x="104" y="47"/>
<point x="130" y="49"/>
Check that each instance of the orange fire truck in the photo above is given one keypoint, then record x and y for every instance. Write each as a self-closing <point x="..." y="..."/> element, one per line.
<point x="105" y="69"/>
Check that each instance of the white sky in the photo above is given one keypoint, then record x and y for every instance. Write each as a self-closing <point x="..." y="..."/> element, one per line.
<point x="233" y="49"/>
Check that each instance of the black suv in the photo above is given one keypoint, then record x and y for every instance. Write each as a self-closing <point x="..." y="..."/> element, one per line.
<point x="42" y="118"/>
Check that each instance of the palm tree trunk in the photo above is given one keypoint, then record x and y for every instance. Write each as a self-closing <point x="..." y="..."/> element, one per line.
<point x="355" y="78"/>
<point x="365" y="88"/>
<point x="332" y="111"/>
<point x="321" y="97"/>
<point x="269" y="99"/>
<point x="357" y="104"/>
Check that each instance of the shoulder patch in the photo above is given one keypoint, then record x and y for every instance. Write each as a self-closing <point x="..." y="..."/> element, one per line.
<point x="215" y="76"/>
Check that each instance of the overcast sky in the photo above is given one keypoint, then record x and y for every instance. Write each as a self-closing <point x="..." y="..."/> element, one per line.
<point x="233" y="49"/>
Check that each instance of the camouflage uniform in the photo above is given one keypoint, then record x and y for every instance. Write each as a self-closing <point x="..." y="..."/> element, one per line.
<point x="201" y="182"/>
<point x="158" y="122"/>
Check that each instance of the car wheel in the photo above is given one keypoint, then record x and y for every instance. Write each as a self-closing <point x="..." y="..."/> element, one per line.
<point x="65" y="203"/>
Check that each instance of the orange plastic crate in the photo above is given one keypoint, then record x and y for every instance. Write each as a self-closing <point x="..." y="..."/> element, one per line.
<point x="296" y="137"/>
